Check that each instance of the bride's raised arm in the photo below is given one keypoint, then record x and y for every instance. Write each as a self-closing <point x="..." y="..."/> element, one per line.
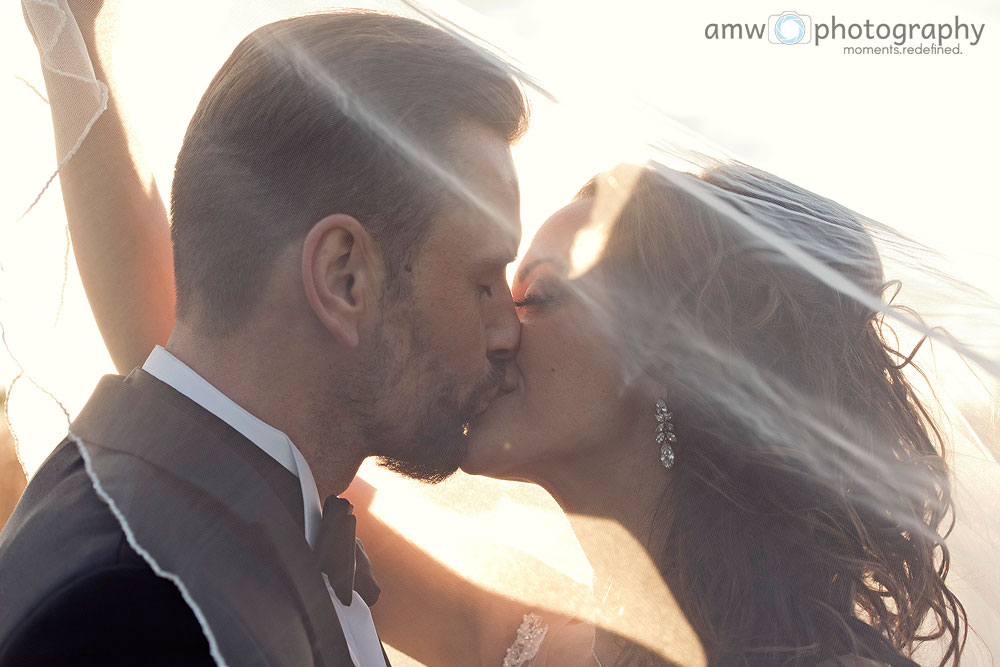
<point x="117" y="219"/>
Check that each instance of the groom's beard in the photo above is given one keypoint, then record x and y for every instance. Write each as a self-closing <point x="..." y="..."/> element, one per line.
<point x="420" y="435"/>
<point x="438" y="444"/>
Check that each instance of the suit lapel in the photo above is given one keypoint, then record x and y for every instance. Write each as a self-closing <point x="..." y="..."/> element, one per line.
<point x="205" y="513"/>
<point x="284" y="484"/>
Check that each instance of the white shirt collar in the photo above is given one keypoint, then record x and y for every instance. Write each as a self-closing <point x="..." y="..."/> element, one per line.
<point x="167" y="368"/>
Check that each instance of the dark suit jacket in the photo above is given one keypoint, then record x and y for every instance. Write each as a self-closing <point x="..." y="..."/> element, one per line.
<point x="219" y="521"/>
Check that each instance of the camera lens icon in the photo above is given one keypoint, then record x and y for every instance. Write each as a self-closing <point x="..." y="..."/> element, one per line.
<point x="789" y="28"/>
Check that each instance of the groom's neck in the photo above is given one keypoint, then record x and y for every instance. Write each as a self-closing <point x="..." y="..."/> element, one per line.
<point x="262" y="374"/>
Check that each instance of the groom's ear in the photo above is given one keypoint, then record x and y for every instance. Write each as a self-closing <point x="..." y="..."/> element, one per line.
<point x="341" y="274"/>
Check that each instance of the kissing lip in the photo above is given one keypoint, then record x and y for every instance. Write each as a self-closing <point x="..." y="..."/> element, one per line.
<point x="488" y="400"/>
<point x="508" y="384"/>
<point x="510" y="381"/>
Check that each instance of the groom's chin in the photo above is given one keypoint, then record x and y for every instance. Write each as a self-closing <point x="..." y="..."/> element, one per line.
<point x="432" y="460"/>
<point x="430" y="473"/>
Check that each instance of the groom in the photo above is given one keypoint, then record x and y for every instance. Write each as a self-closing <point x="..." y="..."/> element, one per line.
<point x="344" y="207"/>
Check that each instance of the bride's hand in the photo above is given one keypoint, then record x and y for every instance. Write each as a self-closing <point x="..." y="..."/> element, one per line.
<point x="96" y="19"/>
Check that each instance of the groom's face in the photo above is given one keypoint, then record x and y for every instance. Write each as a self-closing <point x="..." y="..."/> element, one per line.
<point x="446" y="343"/>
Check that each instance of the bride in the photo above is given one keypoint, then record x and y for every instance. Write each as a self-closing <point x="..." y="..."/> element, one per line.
<point x="780" y="489"/>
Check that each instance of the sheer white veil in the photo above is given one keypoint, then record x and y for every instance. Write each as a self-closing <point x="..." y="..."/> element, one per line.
<point x="590" y="112"/>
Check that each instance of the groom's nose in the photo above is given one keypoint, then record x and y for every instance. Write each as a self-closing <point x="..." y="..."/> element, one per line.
<point x="503" y="328"/>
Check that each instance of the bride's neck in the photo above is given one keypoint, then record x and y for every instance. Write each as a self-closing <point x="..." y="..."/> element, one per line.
<point x="613" y="495"/>
<point x="614" y="499"/>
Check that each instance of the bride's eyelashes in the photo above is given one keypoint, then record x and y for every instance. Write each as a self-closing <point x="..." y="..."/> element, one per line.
<point x="539" y="296"/>
<point x="534" y="300"/>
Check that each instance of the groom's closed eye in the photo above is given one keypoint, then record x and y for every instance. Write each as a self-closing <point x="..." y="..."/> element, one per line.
<point x="492" y="278"/>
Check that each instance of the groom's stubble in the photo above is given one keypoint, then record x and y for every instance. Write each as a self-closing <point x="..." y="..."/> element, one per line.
<point x="407" y="403"/>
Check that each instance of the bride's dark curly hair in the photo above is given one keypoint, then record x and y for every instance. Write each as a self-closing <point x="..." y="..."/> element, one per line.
<point x="810" y="498"/>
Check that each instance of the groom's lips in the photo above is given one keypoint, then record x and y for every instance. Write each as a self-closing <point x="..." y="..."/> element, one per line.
<point x="506" y="386"/>
<point x="487" y="400"/>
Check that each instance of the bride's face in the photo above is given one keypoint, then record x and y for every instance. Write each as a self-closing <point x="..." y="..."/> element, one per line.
<point x="570" y="394"/>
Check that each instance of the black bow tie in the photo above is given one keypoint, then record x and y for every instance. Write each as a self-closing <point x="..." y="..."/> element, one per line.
<point x="341" y="556"/>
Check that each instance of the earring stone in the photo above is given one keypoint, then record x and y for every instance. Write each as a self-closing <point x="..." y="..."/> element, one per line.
<point x="665" y="436"/>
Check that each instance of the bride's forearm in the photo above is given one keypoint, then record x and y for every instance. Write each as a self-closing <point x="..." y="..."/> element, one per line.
<point x="117" y="221"/>
<point x="422" y="610"/>
<point x="426" y="609"/>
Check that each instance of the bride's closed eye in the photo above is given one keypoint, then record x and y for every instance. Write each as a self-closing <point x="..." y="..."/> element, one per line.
<point x="540" y="293"/>
<point x="534" y="300"/>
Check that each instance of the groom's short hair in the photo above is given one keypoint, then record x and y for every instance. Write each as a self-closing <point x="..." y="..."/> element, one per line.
<point x="314" y="115"/>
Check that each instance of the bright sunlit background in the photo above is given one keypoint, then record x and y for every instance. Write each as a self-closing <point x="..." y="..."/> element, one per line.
<point x="911" y="141"/>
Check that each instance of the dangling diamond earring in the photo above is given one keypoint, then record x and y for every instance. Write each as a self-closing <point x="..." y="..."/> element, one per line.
<point x="665" y="436"/>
